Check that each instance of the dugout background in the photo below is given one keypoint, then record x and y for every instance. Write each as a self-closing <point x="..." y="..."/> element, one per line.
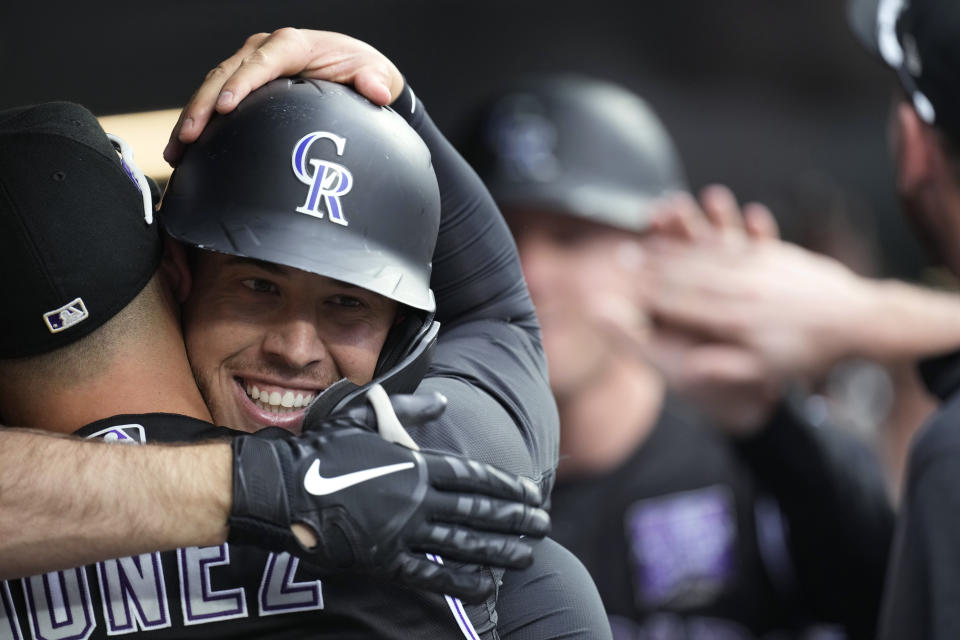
<point x="768" y="97"/>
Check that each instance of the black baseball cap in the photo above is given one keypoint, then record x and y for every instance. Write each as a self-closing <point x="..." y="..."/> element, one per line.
<point x="77" y="239"/>
<point x="920" y="40"/>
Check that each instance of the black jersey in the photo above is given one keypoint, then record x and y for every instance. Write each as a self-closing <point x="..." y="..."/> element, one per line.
<point x="670" y="537"/>
<point x="685" y="541"/>
<point x="923" y="588"/>
<point x="225" y="591"/>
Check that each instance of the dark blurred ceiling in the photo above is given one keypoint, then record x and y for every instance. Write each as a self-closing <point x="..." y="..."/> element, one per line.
<point x="758" y="94"/>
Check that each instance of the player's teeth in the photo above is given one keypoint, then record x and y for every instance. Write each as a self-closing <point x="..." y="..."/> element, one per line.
<point x="277" y="402"/>
<point x="267" y="407"/>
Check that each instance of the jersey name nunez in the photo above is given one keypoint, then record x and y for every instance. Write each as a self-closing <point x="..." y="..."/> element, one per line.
<point x="134" y="595"/>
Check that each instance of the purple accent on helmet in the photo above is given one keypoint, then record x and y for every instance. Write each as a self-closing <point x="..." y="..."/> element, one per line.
<point x="316" y="187"/>
<point x="300" y="152"/>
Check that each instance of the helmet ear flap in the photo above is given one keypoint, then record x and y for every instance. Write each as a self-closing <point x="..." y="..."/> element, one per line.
<point x="403" y="363"/>
<point x="402" y="338"/>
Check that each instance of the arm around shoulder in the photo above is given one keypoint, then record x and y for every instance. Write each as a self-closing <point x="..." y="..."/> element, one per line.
<point x="65" y="502"/>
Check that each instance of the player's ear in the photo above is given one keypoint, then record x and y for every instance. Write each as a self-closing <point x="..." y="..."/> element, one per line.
<point x="176" y="268"/>
<point x="915" y="148"/>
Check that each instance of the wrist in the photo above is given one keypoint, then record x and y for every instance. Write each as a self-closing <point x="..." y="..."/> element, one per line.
<point x="909" y="322"/>
<point x="206" y="523"/>
<point x="872" y="322"/>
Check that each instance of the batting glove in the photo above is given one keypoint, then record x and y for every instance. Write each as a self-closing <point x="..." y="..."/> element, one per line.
<point x="377" y="507"/>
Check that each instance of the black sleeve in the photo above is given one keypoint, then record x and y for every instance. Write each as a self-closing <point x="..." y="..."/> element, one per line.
<point x="831" y="491"/>
<point x="554" y="598"/>
<point x="489" y="361"/>
<point x="923" y="587"/>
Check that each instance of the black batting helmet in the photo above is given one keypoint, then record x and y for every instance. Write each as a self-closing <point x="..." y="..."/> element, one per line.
<point x="311" y="175"/>
<point x="575" y="145"/>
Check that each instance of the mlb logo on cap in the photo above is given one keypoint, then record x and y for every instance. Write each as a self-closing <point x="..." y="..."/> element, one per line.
<point x="66" y="316"/>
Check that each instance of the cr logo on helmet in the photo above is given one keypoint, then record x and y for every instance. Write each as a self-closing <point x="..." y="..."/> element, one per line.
<point x="329" y="180"/>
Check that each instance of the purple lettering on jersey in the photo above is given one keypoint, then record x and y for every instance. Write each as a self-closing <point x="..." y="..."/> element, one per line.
<point x="279" y="593"/>
<point x="682" y="546"/>
<point x="134" y="598"/>
<point x="60" y="605"/>
<point x="9" y="627"/>
<point x="201" y="603"/>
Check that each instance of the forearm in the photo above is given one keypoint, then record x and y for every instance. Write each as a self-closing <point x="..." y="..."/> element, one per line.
<point x="490" y="339"/>
<point x="65" y="502"/>
<point x="476" y="268"/>
<point x="910" y="323"/>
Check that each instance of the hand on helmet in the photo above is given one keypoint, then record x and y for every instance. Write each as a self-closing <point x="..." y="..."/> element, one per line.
<point x="322" y="55"/>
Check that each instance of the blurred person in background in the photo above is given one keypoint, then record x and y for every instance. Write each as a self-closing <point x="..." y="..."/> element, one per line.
<point x="689" y="531"/>
<point x="783" y="313"/>
<point x="792" y="330"/>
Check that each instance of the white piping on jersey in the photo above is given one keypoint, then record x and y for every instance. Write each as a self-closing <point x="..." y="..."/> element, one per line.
<point x="392" y="430"/>
<point x="463" y="620"/>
